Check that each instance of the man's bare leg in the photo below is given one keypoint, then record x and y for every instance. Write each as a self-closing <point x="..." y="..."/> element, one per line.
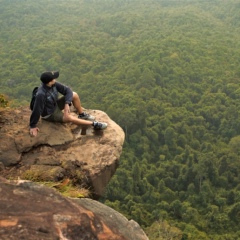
<point x="77" y="103"/>
<point x="75" y="120"/>
<point x="79" y="121"/>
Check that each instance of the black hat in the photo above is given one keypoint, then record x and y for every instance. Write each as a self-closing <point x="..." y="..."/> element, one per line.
<point x="47" y="77"/>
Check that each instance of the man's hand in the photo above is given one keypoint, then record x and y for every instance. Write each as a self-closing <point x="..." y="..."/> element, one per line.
<point x="34" y="131"/>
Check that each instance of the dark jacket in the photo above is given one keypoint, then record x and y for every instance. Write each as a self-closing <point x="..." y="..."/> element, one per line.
<point x="46" y="99"/>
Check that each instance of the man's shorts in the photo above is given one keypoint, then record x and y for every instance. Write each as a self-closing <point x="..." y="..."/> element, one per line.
<point x="57" y="115"/>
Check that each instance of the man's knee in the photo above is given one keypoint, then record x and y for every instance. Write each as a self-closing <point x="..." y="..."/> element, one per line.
<point x="67" y="118"/>
<point x="75" y="95"/>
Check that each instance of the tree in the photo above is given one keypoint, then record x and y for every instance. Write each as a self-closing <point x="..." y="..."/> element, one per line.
<point x="176" y="208"/>
<point x="3" y="101"/>
<point x="234" y="213"/>
<point x="234" y="144"/>
<point x="170" y="138"/>
<point x="231" y="197"/>
<point x="136" y="175"/>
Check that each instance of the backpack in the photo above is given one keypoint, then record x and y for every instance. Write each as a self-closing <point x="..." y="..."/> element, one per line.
<point x="34" y="93"/>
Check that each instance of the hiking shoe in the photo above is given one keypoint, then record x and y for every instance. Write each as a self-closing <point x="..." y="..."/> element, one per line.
<point x="99" y="125"/>
<point x="86" y="116"/>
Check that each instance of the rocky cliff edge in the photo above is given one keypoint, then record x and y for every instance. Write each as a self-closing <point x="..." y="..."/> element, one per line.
<point x="60" y="151"/>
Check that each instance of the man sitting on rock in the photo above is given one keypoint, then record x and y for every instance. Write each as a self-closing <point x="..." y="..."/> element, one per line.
<point x="49" y="106"/>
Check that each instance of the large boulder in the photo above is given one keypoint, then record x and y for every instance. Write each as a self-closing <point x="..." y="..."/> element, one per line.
<point x="60" y="151"/>
<point x="33" y="211"/>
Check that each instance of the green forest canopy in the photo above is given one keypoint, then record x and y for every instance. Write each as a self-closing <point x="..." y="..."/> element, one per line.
<point x="168" y="73"/>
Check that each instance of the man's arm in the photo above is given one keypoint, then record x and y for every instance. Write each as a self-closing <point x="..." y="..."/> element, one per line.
<point x="36" y="113"/>
<point x="66" y="110"/>
<point x="66" y="91"/>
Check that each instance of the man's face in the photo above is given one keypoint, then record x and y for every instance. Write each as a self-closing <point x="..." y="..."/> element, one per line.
<point x="51" y="82"/>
